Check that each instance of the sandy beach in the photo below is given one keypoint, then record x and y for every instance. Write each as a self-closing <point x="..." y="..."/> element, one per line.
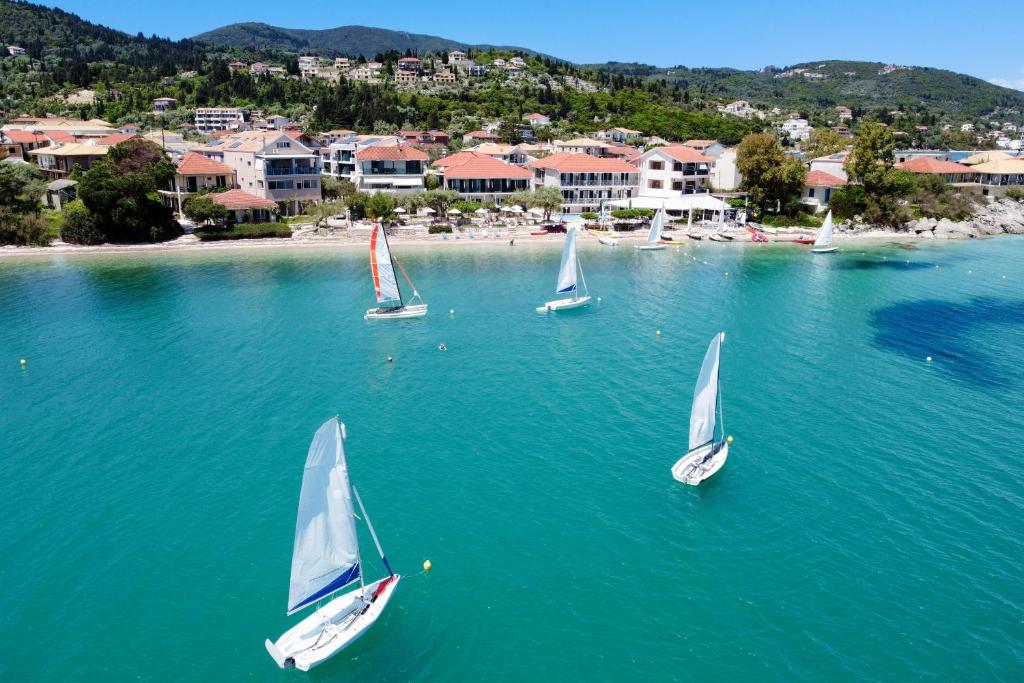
<point x="358" y="239"/>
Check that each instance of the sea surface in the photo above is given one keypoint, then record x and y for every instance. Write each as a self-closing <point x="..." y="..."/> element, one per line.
<point x="868" y="525"/>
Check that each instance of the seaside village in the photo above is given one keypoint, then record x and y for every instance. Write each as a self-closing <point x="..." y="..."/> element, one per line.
<point x="264" y="167"/>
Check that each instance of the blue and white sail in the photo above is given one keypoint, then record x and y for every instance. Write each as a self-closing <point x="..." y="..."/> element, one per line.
<point x="385" y="282"/>
<point x="567" y="271"/>
<point x="824" y="239"/>
<point x="654" y="234"/>
<point x="705" y="397"/>
<point x="325" y="557"/>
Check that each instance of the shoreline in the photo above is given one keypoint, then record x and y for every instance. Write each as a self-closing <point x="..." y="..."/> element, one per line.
<point x="189" y="244"/>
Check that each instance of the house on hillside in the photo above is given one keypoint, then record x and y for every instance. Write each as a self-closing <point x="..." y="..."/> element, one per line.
<point x="536" y="119"/>
<point x="818" y="188"/>
<point x="196" y="172"/>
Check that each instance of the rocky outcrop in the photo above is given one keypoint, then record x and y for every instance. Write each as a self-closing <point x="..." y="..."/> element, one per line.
<point x="991" y="217"/>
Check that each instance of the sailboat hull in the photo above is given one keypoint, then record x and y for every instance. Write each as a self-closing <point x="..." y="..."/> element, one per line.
<point x="824" y="250"/>
<point x="416" y="311"/>
<point x="650" y="247"/>
<point x="716" y="237"/>
<point x="564" y="304"/>
<point x="608" y="241"/>
<point x="700" y="464"/>
<point x="332" y="628"/>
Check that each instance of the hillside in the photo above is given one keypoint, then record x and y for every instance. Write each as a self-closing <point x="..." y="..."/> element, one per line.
<point x="343" y="40"/>
<point x="860" y="85"/>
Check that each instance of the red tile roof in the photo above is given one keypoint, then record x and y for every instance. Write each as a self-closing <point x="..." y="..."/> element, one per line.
<point x="684" y="153"/>
<point x="195" y="163"/>
<point x="391" y="153"/>
<point x="60" y="136"/>
<point x="569" y="162"/>
<point x="464" y="165"/>
<point x="481" y="135"/>
<point x="240" y="199"/>
<point x="114" y="139"/>
<point x="822" y="179"/>
<point x="933" y="165"/>
<point x="25" y="136"/>
<point x="535" y="115"/>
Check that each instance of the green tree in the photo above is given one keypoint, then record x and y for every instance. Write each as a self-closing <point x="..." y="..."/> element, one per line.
<point x="120" y="193"/>
<point x="380" y="206"/>
<point x="771" y="178"/>
<point x="79" y="227"/>
<point x="20" y="221"/>
<point x="439" y="200"/>
<point x="872" y="157"/>
<point x="549" y="199"/>
<point x="822" y="142"/>
<point x="201" y="209"/>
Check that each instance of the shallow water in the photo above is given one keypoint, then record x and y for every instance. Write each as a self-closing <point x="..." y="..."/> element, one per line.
<point x="868" y="524"/>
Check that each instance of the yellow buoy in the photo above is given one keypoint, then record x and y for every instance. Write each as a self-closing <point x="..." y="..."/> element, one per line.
<point x="728" y="439"/>
<point x="24" y="362"/>
<point x="426" y="565"/>
<point x="657" y="333"/>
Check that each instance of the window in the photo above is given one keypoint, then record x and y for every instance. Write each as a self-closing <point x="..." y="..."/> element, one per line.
<point x="656" y="165"/>
<point x="677" y="166"/>
<point x="654" y="184"/>
<point x="810" y="192"/>
<point x="284" y="144"/>
<point x="677" y="185"/>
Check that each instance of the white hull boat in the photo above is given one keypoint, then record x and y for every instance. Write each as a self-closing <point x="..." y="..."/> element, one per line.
<point x="413" y="311"/>
<point x="653" y="242"/>
<point x="706" y="454"/>
<point x="564" y="304"/>
<point x="715" y="237"/>
<point x="823" y="244"/>
<point x="390" y="306"/>
<point x="695" y="236"/>
<point x="333" y="627"/>
<point x="700" y="464"/>
<point x="568" y="272"/>
<point x="608" y="241"/>
<point x="326" y="560"/>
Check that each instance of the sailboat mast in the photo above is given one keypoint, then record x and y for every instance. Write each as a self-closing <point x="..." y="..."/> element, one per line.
<point x="373" y="534"/>
<point x="384" y="234"/>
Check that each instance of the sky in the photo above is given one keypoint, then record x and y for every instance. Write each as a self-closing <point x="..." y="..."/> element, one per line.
<point x="978" y="39"/>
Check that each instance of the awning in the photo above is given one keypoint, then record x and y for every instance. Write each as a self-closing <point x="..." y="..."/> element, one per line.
<point x="697" y="202"/>
<point x="394" y="182"/>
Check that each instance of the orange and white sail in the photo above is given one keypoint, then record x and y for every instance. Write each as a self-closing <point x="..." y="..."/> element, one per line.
<point x="385" y="284"/>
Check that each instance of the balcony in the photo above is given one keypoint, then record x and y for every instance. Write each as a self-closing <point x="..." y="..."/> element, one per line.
<point x="290" y="170"/>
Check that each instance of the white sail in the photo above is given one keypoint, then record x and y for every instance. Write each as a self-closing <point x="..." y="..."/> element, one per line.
<point x="654" y="235"/>
<point x="326" y="553"/>
<point x="705" y="396"/>
<point x="385" y="283"/>
<point x="567" y="271"/>
<point x="825" y="234"/>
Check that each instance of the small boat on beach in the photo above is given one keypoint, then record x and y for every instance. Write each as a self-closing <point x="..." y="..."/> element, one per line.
<point x="694" y="235"/>
<point x="608" y="241"/>
<point x="706" y="456"/>
<point x="568" y="272"/>
<point x="385" y="283"/>
<point x="823" y="244"/>
<point x="715" y="237"/>
<point x="325" y="559"/>
<point x="653" y="242"/>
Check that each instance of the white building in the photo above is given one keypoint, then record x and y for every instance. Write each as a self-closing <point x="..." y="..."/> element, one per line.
<point x="162" y="104"/>
<point x="672" y="171"/>
<point x="797" y="129"/>
<point x="212" y="119"/>
<point x="833" y="165"/>
<point x="584" y="180"/>
<point x="457" y="57"/>
<point x="709" y="148"/>
<point x="339" y="161"/>
<point x="725" y="176"/>
<point x="399" y="169"/>
<point x="739" y="108"/>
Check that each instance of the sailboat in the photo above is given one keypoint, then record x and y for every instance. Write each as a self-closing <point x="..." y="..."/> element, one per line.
<point x="823" y="245"/>
<point x="604" y="219"/>
<point x="653" y="242"/>
<point x="385" y="283"/>
<point x="706" y="456"/>
<point x="325" y="559"/>
<point x="567" y="275"/>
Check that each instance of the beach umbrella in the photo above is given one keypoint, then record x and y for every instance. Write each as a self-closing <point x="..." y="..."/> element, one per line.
<point x="515" y="208"/>
<point x="481" y="211"/>
<point x="537" y="211"/>
<point x="428" y="210"/>
<point x="454" y="212"/>
<point x="400" y="210"/>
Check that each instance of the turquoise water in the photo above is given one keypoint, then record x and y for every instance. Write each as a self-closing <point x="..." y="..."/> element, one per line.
<point x="869" y="524"/>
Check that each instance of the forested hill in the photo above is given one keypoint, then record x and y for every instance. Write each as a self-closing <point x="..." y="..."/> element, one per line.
<point x="350" y="41"/>
<point x="818" y="85"/>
